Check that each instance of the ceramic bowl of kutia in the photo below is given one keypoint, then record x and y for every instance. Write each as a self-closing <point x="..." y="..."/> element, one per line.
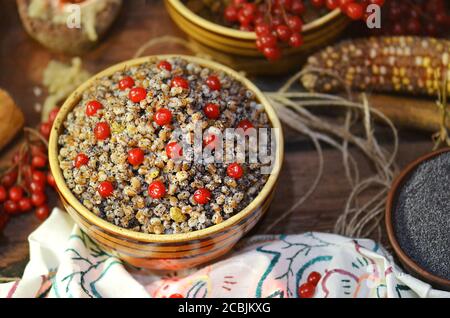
<point x="165" y="251"/>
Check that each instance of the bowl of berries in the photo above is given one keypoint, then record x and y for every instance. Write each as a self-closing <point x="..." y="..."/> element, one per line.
<point x="141" y="157"/>
<point x="263" y="36"/>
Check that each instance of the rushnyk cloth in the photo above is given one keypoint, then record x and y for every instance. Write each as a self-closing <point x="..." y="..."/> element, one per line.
<point x="64" y="262"/>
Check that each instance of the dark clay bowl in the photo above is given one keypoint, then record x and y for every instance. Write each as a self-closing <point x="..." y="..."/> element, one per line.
<point x="411" y="266"/>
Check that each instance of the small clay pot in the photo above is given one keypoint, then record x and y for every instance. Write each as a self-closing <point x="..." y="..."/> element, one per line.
<point x="58" y="37"/>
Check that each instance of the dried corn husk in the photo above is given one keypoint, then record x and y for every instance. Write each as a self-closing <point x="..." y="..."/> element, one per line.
<point x="60" y="80"/>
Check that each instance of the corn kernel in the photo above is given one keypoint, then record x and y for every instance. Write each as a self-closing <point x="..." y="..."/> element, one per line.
<point x="177" y="215"/>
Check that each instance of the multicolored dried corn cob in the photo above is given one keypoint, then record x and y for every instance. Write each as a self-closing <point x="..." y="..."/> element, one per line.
<point x="411" y="65"/>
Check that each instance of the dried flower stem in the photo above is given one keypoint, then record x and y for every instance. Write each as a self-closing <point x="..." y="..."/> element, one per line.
<point x="36" y="134"/>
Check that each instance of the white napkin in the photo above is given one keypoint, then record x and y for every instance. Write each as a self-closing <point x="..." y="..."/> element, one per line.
<point x="65" y="262"/>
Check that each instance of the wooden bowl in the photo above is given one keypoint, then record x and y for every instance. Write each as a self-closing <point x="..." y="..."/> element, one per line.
<point x="410" y="265"/>
<point x="169" y="251"/>
<point x="238" y="48"/>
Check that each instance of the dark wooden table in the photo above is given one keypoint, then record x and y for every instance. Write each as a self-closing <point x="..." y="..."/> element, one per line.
<point x="22" y="62"/>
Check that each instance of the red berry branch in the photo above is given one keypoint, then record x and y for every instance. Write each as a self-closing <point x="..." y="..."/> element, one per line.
<point x="279" y="23"/>
<point x="24" y="182"/>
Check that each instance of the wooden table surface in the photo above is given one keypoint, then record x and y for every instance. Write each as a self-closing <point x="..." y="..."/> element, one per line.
<point x="22" y="62"/>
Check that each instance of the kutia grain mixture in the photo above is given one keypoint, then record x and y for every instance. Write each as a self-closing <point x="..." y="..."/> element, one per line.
<point x="121" y="158"/>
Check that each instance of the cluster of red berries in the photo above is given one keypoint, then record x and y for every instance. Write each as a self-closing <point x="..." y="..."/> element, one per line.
<point x="280" y="21"/>
<point x="46" y="126"/>
<point x="415" y="17"/>
<point x="308" y="289"/>
<point x="23" y="185"/>
<point x="275" y="21"/>
<point x="162" y="117"/>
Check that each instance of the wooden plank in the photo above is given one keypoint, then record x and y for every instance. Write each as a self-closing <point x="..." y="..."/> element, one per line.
<point x="22" y="62"/>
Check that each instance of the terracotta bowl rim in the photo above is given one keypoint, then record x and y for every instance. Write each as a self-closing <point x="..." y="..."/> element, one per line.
<point x="405" y="259"/>
<point x="93" y="219"/>
<point x="243" y="35"/>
